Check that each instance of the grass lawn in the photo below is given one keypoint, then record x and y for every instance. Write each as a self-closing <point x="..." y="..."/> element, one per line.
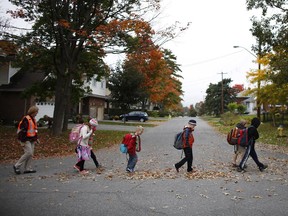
<point x="57" y="146"/>
<point x="51" y="146"/>
<point x="268" y="133"/>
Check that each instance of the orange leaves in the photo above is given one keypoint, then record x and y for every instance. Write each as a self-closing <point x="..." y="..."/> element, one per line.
<point x="157" y="73"/>
<point x="19" y="13"/>
<point x="64" y="23"/>
<point x="118" y="28"/>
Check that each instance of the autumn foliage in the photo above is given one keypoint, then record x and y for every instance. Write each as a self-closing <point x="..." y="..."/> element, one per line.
<point x="50" y="146"/>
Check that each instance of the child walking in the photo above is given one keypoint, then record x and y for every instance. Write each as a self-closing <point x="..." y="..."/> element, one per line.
<point x="188" y="140"/>
<point x="84" y="145"/>
<point x="239" y="150"/>
<point x="133" y="146"/>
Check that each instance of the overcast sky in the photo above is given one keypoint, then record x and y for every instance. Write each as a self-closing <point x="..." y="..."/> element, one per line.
<point x="205" y="50"/>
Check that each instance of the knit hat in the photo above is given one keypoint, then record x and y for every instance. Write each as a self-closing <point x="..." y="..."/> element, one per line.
<point x="192" y="122"/>
<point x="93" y="122"/>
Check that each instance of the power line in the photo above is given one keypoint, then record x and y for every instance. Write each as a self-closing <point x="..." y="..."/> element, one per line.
<point x="213" y="59"/>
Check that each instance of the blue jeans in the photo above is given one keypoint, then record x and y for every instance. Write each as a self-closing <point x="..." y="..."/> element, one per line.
<point x="132" y="161"/>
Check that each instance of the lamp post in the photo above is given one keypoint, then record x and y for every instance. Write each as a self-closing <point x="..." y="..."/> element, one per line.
<point x="258" y="83"/>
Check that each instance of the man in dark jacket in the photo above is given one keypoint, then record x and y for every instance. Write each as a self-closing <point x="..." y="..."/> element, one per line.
<point x="250" y="150"/>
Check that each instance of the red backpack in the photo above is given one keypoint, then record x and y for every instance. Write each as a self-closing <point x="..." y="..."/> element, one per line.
<point x="126" y="141"/>
<point x="238" y="136"/>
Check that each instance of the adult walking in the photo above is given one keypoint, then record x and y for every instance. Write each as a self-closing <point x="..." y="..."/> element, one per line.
<point x="28" y="137"/>
<point x="253" y="135"/>
<point x="188" y="140"/>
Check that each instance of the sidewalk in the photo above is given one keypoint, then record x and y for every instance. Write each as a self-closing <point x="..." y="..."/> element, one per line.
<point x="155" y="189"/>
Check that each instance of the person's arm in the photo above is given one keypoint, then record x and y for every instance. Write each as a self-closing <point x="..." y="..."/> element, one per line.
<point x="22" y="135"/>
<point x="253" y="133"/>
<point x="84" y="133"/>
<point x="186" y="136"/>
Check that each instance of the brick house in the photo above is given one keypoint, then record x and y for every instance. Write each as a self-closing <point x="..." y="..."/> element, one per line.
<point x="13" y="82"/>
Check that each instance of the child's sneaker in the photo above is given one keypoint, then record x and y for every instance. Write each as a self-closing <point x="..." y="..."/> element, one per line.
<point x="77" y="168"/>
<point x="129" y="170"/>
<point x="239" y="169"/>
<point x="84" y="172"/>
<point x="263" y="168"/>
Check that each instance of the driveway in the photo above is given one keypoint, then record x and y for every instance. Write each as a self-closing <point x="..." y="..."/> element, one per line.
<point x="215" y="188"/>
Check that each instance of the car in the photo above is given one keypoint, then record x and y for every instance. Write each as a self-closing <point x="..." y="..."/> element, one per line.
<point x="135" y="115"/>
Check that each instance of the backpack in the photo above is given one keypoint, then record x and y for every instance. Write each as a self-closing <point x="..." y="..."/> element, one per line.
<point x="178" y="141"/>
<point x="74" y="135"/>
<point x="238" y="136"/>
<point x="125" y="142"/>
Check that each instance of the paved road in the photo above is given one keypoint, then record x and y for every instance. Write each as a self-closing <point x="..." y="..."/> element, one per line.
<point x="155" y="189"/>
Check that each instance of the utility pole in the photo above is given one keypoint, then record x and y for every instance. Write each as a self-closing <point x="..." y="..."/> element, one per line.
<point x="258" y="82"/>
<point x="222" y="93"/>
<point x="258" y="56"/>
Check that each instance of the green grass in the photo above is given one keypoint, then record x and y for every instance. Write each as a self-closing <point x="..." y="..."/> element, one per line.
<point x="52" y="146"/>
<point x="150" y="123"/>
<point x="268" y="133"/>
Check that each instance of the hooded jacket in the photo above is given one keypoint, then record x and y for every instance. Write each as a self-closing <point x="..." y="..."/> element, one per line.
<point x="252" y="131"/>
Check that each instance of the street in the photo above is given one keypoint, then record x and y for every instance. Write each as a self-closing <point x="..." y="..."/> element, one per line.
<point x="215" y="188"/>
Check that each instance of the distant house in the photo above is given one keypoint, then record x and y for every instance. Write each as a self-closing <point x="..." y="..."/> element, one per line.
<point x="13" y="83"/>
<point x="94" y="104"/>
<point x="248" y="100"/>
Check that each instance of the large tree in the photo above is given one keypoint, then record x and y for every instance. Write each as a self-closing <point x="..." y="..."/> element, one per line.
<point x="66" y="28"/>
<point x="214" y="97"/>
<point x="272" y="36"/>
<point x="125" y="86"/>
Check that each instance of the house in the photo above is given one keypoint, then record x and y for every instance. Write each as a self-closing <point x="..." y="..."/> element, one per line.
<point x="14" y="105"/>
<point x="13" y="83"/>
<point x="95" y="103"/>
<point x="248" y="100"/>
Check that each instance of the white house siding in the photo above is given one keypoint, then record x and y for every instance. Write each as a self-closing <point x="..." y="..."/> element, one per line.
<point x="45" y="108"/>
<point x="98" y="88"/>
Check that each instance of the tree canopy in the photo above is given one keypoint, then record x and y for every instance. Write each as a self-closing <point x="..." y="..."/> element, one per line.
<point x="214" y="97"/>
<point x="70" y="39"/>
<point x="271" y="33"/>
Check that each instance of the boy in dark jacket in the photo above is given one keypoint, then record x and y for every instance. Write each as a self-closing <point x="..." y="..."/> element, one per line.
<point x="253" y="135"/>
<point x="188" y="140"/>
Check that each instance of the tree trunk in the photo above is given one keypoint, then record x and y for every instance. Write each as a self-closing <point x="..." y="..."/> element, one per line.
<point x="60" y="105"/>
<point x="68" y="102"/>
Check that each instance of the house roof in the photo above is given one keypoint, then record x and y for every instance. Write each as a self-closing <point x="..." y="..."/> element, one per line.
<point x="22" y="80"/>
<point x="242" y="95"/>
<point x="98" y="96"/>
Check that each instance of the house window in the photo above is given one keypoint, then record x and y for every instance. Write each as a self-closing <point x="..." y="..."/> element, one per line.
<point x="102" y="84"/>
<point x="248" y="105"/>
<point x="94" y="83"/>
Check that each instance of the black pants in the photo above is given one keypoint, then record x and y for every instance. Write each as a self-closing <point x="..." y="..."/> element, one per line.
<point x="93" y="156"/>
<point x="81" y="163"/>
<point x="188" y="158"/>
<point x="250" y="150"/>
